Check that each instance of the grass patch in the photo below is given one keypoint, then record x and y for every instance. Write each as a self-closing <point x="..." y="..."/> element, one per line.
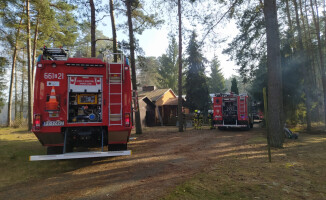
<point x="297" y="172"/>
<point x="316" y="128"/>
<point x="16" y="145"/>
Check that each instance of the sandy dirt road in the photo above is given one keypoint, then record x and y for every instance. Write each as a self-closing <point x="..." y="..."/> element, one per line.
<point x="162" y="158"/>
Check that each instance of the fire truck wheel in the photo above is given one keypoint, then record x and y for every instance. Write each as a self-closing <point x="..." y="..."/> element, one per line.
<point x="117" y="147"/>
<point x="54" y="150"/>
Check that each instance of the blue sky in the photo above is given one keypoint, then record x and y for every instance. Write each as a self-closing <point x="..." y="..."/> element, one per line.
<point x="154" y="42"/>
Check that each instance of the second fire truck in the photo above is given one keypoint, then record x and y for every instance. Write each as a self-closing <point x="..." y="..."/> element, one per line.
<point x="232" y="110"/>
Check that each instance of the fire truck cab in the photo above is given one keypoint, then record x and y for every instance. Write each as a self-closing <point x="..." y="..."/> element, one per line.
<point x="231" y="110"/>
<point x="81" y="102"/>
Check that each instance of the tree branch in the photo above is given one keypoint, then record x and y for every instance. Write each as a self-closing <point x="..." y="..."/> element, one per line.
<point x="102" y="18"/>
<point x="4" y="32"/>
<point x="209" y="30"/>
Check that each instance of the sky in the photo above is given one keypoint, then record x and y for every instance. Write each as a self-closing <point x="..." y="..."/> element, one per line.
<point x="154" y="42"/>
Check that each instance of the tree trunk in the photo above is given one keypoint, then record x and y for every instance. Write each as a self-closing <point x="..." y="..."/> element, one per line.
<point x="93" y="28"/>
<point x="275" y="97"/>
<point x="13" y="69"/>
<point x="21" y="110"/>
<point x="316" y="70"/>
<point x="324" y="22"/>
<point x="321" y="56"/>
<point x="288" y="15"/>
<point x="114" y="31"/>
<point x="303" y="64"/>
<point x="34" y="47"/>
<point x="180" y="114"/>
<point x="290" y="24"/>
<point x="29" y="70"/>
<point x="133" y="63"/>
<point x="324" y="51"/>
<point x="310" y="50"/>
<point x="16" y="95"/>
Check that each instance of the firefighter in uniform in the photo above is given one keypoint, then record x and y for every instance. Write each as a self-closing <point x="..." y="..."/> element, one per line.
<point x="198" y="120"/>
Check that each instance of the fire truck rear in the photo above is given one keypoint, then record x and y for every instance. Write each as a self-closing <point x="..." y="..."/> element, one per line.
<point x="81" y="102"/>
<point x="231" y="110"/>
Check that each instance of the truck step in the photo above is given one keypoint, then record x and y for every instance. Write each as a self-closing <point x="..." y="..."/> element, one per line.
<point x="75" y="155"/>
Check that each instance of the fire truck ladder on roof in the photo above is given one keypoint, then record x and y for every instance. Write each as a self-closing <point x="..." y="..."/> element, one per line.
<point x="115" y="74"/>
<point x="54" y="53"/>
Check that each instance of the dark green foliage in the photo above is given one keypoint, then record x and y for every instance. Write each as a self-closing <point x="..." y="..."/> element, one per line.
<point x="168" y="67"/>
<point x="234" y="86"/>
<point x="11" y="13"/>
<point x="259" y="81"/>
<point x="65" y="33"/>
<point x="147" y="68"/>
<point x="57" y="26"/>
<point x="249" y="46"/>
<point x="248" y="49"/>
<point x="195" y="58"/>
<point x="197" y="95"/>
<point x="292" y="83"/>
<point x="142" y="19"/>
<point x="216" y="81"/>
<point x="242" y="87"/>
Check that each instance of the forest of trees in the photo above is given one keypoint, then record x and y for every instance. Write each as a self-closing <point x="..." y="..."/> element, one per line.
<point x="281" y="45"/>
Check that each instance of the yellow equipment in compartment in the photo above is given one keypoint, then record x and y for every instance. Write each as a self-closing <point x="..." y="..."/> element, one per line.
<point x="87" y="99"/>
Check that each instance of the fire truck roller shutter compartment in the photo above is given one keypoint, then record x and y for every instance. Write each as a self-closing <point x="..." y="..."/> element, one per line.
<point x="230" y="110"/>
<point x="85" y="98"/>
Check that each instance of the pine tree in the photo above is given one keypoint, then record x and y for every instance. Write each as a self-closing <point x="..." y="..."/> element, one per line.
<point x="180" y="119"/>
<point x="234" y="86"/>
<point x="216" y="81"/>
<point x="147" y="68"/>
<point x="29" y="69"/>
<point x="129" y="4"/>
<point x="197" y="95"/>
<point x="168" y="67"/>
<point x="274" y="74"/>
<point x="13" y="26"/>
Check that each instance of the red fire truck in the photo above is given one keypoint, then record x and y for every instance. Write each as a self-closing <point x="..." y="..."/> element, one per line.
<point x="81" y="102"/>
<point x="231" y="110"/>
